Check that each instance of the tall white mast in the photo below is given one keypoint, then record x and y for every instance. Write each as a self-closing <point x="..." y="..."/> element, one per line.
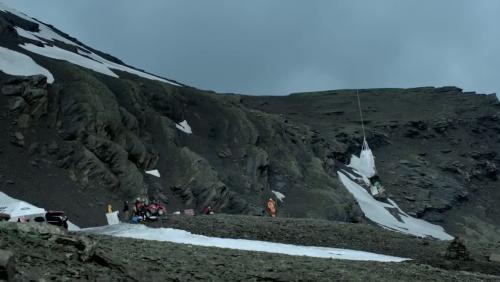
<point x="361" y="116"/>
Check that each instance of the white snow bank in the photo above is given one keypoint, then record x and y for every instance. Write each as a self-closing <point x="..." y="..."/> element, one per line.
<point x="184" y="127"/>
<point x="55" y="52"/>
<point x="116" y="66"/>
<point x="153" y="172"/>
<point x="26" y="34"/>
<point x="44" y="35"/>
<point x="278" y="195"/>
<point x="15" y="63"/>
<point x="5" y="8"/>
<point x="47" y="34"/>
<point x="184" y="237"/>
<point x="72" y="226"/>
<point x="378" y="212"/>
<point x="87" y="60"/>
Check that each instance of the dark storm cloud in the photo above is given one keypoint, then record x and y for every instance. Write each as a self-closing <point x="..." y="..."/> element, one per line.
<point x="277" y="47"/>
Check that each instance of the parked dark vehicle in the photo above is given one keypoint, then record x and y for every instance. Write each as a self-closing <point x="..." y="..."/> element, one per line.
<point x="57" y="218"/>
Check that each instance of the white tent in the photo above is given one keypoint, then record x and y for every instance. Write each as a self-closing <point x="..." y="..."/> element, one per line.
<point x="18" y="209"/>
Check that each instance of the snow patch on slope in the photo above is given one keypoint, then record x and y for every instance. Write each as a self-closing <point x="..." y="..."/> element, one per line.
<point x="116" y="66"/>
<point x="280" y="196"/>
<point x="184" y="237"/>
<point x="72" y="226"/>
<point x="153" y="172"/>
<point x="57" y="53"/>
<point x="26" y="34"/>
<point x="47" y="35"/>
<point x="15" y="63"/>
<point x="44" y="34"/>
<point x="184" y="127"/>
<point x="87" y="60"/>
<point x="5" y="8"/>
<point x="378" y="212"/>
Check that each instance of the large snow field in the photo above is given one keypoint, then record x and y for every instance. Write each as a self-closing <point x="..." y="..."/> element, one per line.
<point x="139" y="231"/>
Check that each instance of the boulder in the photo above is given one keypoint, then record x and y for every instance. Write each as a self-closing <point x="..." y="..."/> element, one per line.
<point x="39" y="108"/>
<point x="420" y="125"/>
<point x="53" y="147"/>
<point x="34" y="148"/>
<point x="33" y="228"/>
<point x="12" y="89"/>
<point x="457" y="251"/>
<point x="441" y="126"/>
<point x="224" y="153"/>
<point x="33" y="94"/>
<point x="494" y="257"/>
<point x="412" y="133"/>
<point x="18" y="139"/>
<point x="6" y="265"/>
<point x="23" y="121"/>
<point x="17" y="104"/>
<point x="129" y="121"/>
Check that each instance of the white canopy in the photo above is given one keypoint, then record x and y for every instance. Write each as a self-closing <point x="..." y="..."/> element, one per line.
<point x="18" y="209"/>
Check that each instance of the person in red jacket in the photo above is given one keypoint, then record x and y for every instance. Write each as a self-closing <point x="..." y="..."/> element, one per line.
<point x="271" y="207"/>
<point x="208" y="210"/>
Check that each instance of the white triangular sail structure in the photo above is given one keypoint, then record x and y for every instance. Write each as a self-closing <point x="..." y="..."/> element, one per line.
<point x="17" y="209"/>
<point x="365" y="163"/>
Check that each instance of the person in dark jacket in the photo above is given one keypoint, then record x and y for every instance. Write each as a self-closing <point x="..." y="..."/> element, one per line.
<point x="126" y="210"/>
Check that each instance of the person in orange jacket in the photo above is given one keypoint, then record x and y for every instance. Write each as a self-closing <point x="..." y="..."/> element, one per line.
<point x="271" y="207"/>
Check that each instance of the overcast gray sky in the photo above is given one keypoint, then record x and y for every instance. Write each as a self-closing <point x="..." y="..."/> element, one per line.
<point x="277" y="47"/>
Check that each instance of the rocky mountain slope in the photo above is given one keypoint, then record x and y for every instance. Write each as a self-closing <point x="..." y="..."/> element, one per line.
<point x="87" y="139"/>
<point x="48" y="253"/>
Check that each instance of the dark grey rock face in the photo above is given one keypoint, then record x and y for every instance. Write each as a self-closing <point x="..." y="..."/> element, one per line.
<point x="6" y="265"/>
<point x="436" y="150"/>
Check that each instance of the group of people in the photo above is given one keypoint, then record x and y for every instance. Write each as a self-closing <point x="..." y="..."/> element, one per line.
<point x="142" y="211"/>
<point x="139" y="211"/>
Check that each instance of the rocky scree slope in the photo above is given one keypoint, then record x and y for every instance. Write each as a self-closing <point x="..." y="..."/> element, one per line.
<point x="31" y="252"/>
<point x="87" y="139"/>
